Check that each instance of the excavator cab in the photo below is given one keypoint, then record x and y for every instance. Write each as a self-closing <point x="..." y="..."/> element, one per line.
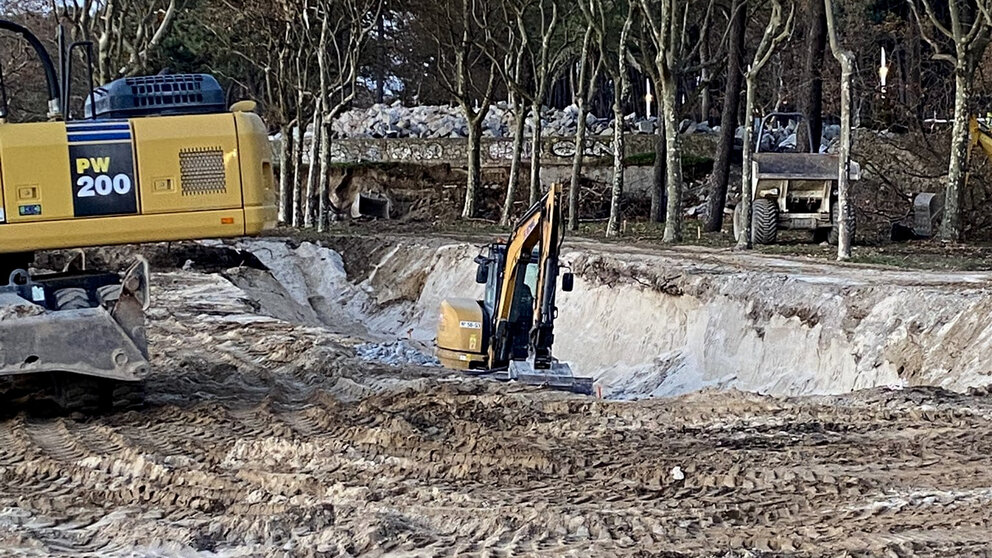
<point x="521" y="317"/>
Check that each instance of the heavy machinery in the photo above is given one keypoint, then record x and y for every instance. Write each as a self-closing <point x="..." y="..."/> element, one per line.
<point x="509" y="334"/>
<point x="157" y="158"/>
<point x="792" y="190"/>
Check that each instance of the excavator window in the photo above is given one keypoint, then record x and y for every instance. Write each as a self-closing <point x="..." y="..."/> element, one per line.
<point x="492" y="286"/>
<point x="522" y="310"/>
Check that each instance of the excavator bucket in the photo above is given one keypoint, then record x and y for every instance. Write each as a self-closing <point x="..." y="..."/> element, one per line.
<point x="559" y="376"/>
<point x="106" y="340"/>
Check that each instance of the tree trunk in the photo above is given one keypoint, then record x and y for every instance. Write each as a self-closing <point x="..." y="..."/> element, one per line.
<point x="673" y="161"/>
<point x="812" y="103"/>
<point x="613" y="225"/>
<point x="535" y="154"/>
<point x="704" y="75"/>
<point x="950" y="226"/>
<point x="720" y="177"/>
<point x="323" y="190"/>
<point x="286" y="174"/>
<point x="658" y="197"/>
<point x="744" y="242"/>
<point x="310" y="209"/>
<point x="915" y="87"/>
<point x="519" y="123"/>
<point x="380" y="59"/>
<point x="845" y="209"/>
<point x="580" y="148"/>
<point x="298" y="137"/>
<point x="474" y="167"/>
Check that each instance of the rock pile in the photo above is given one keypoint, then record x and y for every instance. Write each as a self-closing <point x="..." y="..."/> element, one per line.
<point x="394" y="354"/>
<point x="398" y="121"/>
<point x="781" y="136"/>
<point x="440" y="121"/>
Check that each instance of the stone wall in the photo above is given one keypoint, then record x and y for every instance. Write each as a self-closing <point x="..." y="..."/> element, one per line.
<point x="497" y="152"/>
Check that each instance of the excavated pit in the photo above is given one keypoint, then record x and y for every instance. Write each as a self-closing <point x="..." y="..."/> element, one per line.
<point x="648" y="324"/>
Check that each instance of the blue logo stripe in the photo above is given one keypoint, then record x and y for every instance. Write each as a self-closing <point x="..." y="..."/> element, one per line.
<point x="77" y="138"/>
<point x="98" y="127"/>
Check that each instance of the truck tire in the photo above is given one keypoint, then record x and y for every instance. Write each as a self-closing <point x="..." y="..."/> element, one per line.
<point x="764" y="221"/>
<point x="109" y="294"/>
<point x="834" y="237"/>
<point x="738" y="222"/>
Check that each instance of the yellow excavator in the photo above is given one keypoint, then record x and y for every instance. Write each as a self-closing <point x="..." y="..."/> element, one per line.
<point x="151" y="159"/>
<point x="509" y="335"/>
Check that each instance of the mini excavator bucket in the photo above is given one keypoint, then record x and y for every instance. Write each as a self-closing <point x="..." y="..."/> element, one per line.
<point x="557" y="376"/>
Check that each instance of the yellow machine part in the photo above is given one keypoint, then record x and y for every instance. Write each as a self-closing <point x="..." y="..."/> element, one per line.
<point x="460" y="335"/>
<point x="161" y="178"/>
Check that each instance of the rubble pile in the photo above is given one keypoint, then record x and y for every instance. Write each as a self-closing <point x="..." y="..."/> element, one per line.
<point x="394" y="354"/>
<point x="782" y="136"/>
<point x="442" y="121"/>
<point x="438" y="121"/>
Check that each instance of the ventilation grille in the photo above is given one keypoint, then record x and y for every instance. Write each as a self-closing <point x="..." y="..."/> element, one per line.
<point x="166" y="90"/>
<point x="202" y="171"/>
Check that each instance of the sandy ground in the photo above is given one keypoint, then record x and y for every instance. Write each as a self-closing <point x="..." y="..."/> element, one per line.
<point x="262" y="438"/>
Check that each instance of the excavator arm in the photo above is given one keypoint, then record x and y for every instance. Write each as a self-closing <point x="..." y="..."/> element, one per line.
<point x="540" y="227"/>
<point x="980" y="137"/>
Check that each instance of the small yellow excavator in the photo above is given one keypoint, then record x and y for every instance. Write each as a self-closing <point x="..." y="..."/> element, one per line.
<point x="509" y="334"/>
<point x="151" y="159"/>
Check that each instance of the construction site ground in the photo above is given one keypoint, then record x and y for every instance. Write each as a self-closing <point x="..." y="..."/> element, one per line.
<point x="265" y="436"/>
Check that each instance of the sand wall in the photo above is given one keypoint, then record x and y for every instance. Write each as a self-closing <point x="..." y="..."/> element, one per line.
<point x="647" y="324"/>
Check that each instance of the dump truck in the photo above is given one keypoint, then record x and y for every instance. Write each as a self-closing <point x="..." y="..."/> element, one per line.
<point x="509" y="334"/>
<point x="792" y="189"/>
<point x="150" y="159"/>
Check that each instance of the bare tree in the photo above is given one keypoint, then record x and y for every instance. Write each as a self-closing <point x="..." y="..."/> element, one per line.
<point x="668" y="22"/>
<point x="600" y="15"/>
<point x="621" y="88"/>
<point x="845" y="211"/>
<point x="720" y="177"/>
<point x="969" y="29"/>
<point x="466" y="71"/>
<point x="777" y="30"/>
<point x="513" y="73"/>
<point x="279" y="88"/>
<point x="126" y="32"/>
<point x="535" y="54"/>
<point x="344" y="29"/>
<point x="303" y="63"/>
<point x="646" y="54"/>
<point x="311" y="192"/>
<point x="545" y="65"/>
<point x="589" y="66"/>
<point x="812" y="93"/>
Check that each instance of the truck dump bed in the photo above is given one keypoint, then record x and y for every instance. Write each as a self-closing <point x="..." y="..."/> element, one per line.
<point x="799" y="166"/>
